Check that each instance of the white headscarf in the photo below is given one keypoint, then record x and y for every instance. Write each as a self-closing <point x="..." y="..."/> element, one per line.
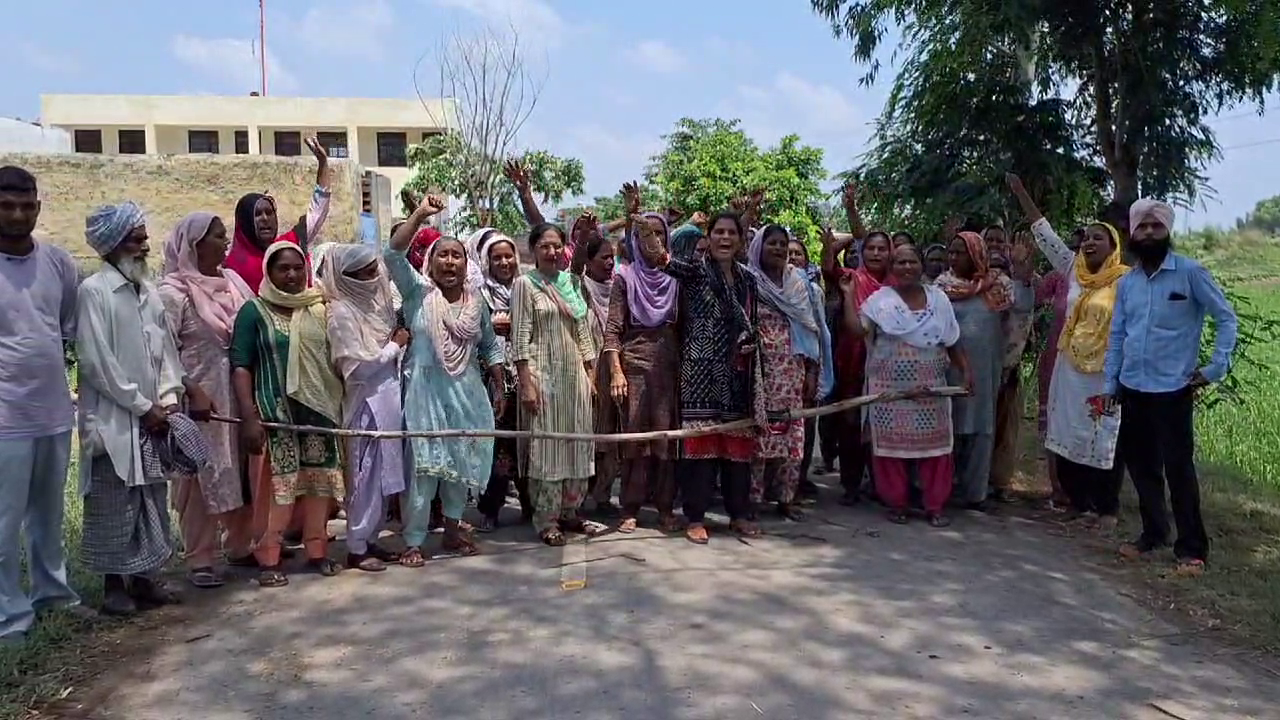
<point x="475" y="271"/>
<point x="934" y="326"/>
<point x="496" y="295"/>
<point x="361" y="312"/>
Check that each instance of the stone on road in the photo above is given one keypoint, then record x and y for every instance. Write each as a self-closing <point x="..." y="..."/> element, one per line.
<point x="990" y="619"/>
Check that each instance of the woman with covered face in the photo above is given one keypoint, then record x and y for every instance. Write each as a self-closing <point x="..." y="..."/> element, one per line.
<point x="500" y="263"/>
<point x="795" y="364"/>
<point x="641" y="353"/>
<point x="257" y="224"/>
<point x="912" y="338"/>
<point x="719" y="371"/>
<point x="452" y="338"/>
<point x="555" y="363"/>
<point x="982" y="297"/>
<point x="871" y="274"/>
<point x="201" y="300"/>
<point x="592" y="265"/>
<point x="282" y="373"/>
<point x="366" y="346"/>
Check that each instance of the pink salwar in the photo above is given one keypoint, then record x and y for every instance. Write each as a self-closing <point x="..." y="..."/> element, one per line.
<point x="893" y="482"/>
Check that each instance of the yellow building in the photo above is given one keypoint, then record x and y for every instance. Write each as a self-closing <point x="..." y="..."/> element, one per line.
<point x="371" y="132"/>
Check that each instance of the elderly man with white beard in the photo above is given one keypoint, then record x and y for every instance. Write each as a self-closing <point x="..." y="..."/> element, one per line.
<point x="130" y="381"/>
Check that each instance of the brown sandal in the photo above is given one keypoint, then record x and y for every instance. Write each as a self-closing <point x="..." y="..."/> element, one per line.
<point x="668" y="524"/>
<point x="697" y="534"/>
<point x="412" y="558"/>
<point x="552" y="537"/>
<point x="460" y="544"/>
<point x="627" y="526"/>
<point x="745" y="528"/>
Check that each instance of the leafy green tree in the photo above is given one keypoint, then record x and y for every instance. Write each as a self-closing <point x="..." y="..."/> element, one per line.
<point x="446" y="165"/>
<point x="1265" y="216"/>
<point x="709" y="163"/>
<point x="1137" y="80"/>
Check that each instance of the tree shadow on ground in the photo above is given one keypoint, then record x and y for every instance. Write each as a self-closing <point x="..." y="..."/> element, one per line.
<point x="843" y="617"/>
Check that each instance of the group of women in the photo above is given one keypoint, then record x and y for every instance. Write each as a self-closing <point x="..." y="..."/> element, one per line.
<point x="709" y="328"/>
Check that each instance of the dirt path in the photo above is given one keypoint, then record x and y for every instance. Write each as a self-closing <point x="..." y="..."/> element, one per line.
<point x="993" y="618"/>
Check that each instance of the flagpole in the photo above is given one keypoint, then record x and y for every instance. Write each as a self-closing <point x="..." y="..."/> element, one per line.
<point x="262" y="43"/>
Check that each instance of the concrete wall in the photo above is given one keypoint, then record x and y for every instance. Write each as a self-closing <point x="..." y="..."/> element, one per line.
<point x="170" y="187"/>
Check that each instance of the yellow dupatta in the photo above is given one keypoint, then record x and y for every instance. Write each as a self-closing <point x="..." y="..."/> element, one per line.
<point x="1085" y="332"/>
<point x="309" y="378"/>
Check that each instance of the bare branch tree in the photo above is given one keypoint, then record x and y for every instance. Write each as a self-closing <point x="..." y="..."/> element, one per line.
<point x="493" y="93"/>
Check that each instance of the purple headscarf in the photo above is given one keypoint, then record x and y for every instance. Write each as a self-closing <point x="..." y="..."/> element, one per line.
<point x="651" y="293"/>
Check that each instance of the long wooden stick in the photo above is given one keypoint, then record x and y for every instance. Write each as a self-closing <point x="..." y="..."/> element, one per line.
<point x="841" y="406"/>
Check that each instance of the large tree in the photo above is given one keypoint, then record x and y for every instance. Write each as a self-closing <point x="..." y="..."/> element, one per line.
<point x="494" y="93"/>
<point x="709" y="163"/>
<point x="1136" y="79"/>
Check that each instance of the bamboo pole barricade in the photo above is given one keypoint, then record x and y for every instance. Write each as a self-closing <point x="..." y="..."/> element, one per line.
<point x="801" y="414"/>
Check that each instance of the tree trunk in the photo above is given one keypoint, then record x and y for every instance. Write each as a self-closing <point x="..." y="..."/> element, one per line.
<point x="1124" y="178"/>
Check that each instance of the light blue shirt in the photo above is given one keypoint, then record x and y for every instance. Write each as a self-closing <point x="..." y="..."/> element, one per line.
<point x="1156" y="327"/>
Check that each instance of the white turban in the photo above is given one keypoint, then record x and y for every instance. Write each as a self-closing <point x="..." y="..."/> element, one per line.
<point x="107" y="226"/>
<point x="1162" y="213"/>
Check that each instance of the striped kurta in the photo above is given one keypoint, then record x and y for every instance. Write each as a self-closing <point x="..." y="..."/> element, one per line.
<point x="555" y="348"/>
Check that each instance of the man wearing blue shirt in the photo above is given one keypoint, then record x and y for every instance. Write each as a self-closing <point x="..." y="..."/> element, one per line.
<point x="1152" y="370"/>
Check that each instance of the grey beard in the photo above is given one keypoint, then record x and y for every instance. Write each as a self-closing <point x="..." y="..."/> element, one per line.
<point x="134" y="269"/>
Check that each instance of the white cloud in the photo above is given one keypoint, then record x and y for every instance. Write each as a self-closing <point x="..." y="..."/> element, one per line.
<point x="658" y="56"/>
<point x="821" y="114"/>
<point x="349" y="29"/>
<point x="536" y="21"/>
<point x="233" y="62"/>
<point x="41" y="59"/>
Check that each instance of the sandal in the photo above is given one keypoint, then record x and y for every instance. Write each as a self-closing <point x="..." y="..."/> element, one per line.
<point x="324" y="566"/>
<point x="552" y="537"/>
<point x="668" y="524"/>
<point x="272" y="577"/>
<point x="366" y="562"/>
<point x="791" y="512"/>
<point x="383" y="554"/>
<point x="204" y="578"/>
<point x="1189" y="567"/>
<point x="412" y="558"/>
<point x="627" y="526"/>
<point x="460" y="544"/>
<point x="897" y="517"/>
<point x="487" y="525"/>
<point x="745" y="528"/>
<point x="938" y="520"/>
<point x="697" y="534"/>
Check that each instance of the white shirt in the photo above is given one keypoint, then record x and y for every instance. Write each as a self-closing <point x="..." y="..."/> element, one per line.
<point x="127" y="363"/>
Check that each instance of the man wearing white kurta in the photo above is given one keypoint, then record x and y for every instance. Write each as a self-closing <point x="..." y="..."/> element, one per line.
<point x="130" y="380"/>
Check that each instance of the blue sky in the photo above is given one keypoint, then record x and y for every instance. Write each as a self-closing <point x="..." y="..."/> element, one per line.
<point x="618" y="75"/>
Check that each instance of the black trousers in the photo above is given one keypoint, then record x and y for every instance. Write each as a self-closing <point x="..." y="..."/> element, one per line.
<point x="810" y="436"/>
<point x="853" y="454"/>
<point x="697" y="487"/>
<point x="1157" y="441"/>
<point x="829" y="427"/>
<point x="1091" y="489"/>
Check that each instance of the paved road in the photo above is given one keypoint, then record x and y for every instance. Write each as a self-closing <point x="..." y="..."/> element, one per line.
<point x="992" y="618"/>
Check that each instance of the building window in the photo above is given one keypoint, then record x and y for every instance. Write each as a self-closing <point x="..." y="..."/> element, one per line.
<point x="242" y="142"/>
<point x="88" y="141"/>
<point x="288" y="143"/>
<point x="202" y="141"/>
<point x="334" y="143"/>
<point x="133" y="142"/>
<point x="391" y="149"/>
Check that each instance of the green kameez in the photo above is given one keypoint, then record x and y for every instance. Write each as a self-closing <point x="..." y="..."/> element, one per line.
<point x="302" y="464"/>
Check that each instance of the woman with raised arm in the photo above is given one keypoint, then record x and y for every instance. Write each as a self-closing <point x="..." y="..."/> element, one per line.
<point x="850" y="351"/>
<point x="795" y="365"/>
<point x="719" y="371"/>
<point x="641" y="352"/>
<point x="366" y="346"/>
<point x="501" y="263"/>
<point x="450" y="326"/>
<point x="555" y="361"/>
<point x="1081" y="437"/>
<point x="982" y="297"/>
<point x="282" y="374"/>
<point x="592" y="268"/>
<point x="912" y="336"/>
<point x="257" y="224"/>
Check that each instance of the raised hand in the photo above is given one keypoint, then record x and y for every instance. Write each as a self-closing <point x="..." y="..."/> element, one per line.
<point x="433" y="204"/>
<point x="674" y="214"/>
<point x="849" y="194"/>
<point x="647" y="241"/>
<point x="1015" y="183"/>
<point x="516" y="172"/>
<point x="700" y="220"/>
<point x="631" y="197"/>
<point x="313" y="144"/>
<point x="1023" y="249"/>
